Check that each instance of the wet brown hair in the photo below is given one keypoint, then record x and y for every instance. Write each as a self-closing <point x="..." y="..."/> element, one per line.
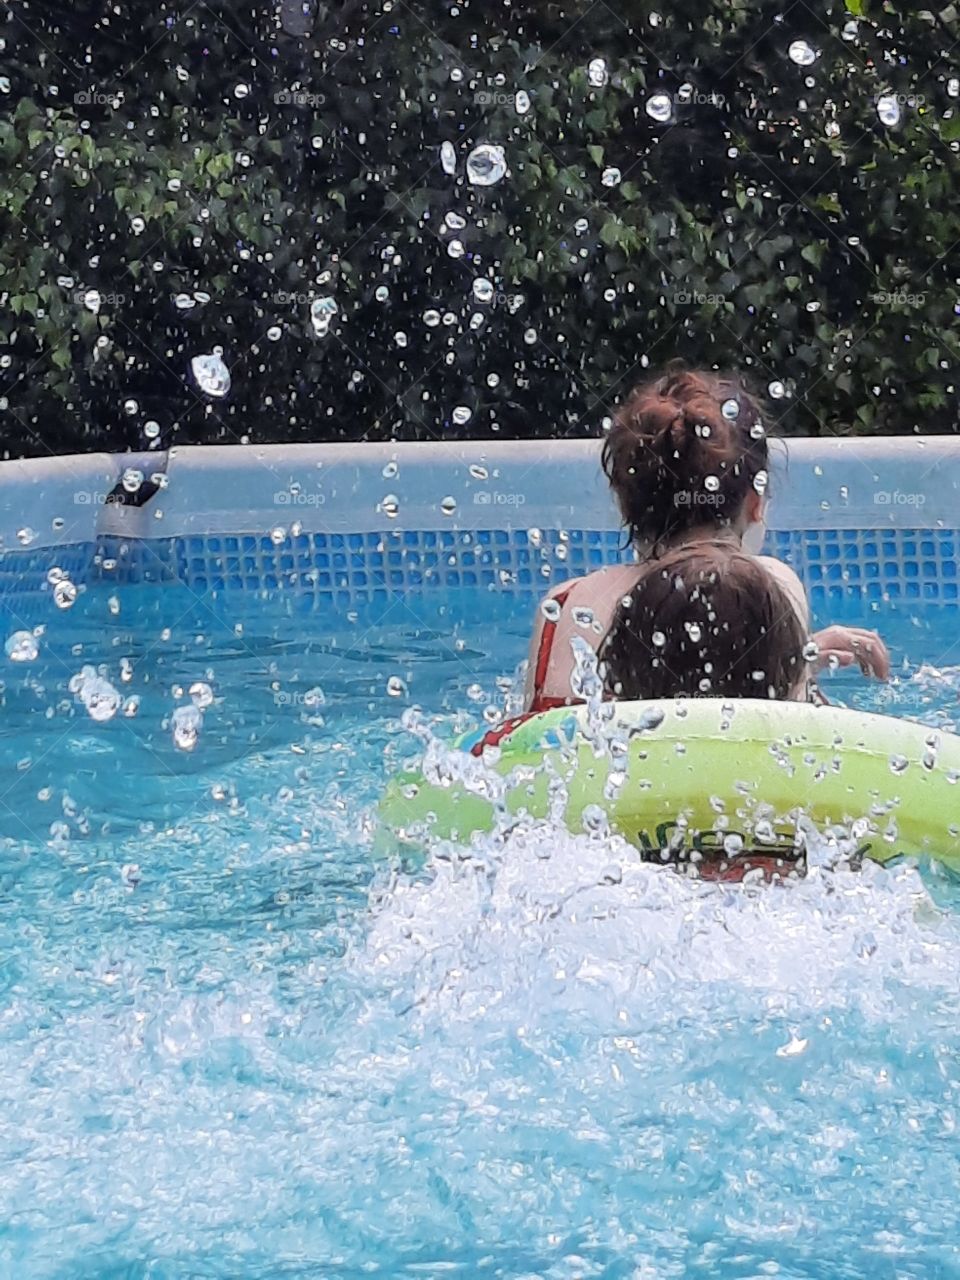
<point x="685" y="451"/>
<point x="704" y="620"/>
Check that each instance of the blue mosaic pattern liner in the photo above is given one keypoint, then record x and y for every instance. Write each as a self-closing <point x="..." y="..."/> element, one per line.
<point x="837" y="566"/>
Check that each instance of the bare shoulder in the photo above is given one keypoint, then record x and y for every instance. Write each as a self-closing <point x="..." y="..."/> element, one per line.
<point x="789" y="581"/>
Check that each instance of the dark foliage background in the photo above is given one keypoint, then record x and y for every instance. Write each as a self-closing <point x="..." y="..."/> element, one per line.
<point x="774" y="221"/>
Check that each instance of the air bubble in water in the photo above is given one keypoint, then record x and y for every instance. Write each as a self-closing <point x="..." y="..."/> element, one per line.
<point x="396" y="687"/>
<point x="462" y="415"/>
<point x="486" y="165"/>
<point x="802" y="53"/>
<point x="211" y="375"/>
<point x="777" y="390"/>
<point x="659" y="107"/>
<point x="22" y="647"/>
<point x="274" y="333"/>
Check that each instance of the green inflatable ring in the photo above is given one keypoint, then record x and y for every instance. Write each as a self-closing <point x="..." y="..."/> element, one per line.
<point x="702" y="780"/>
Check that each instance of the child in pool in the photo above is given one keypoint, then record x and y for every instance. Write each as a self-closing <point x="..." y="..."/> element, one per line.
<point x="708" y="621"/>
<point x="687" y="459"/>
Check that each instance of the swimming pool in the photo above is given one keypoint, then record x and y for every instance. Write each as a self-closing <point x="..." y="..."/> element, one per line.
<point x="233" y="1045"/>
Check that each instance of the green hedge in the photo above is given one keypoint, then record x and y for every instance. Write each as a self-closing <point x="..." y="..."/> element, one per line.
<point x="774" y="221"/>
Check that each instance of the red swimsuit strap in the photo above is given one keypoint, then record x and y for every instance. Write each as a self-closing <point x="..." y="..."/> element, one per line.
<point x="547" y="637"/>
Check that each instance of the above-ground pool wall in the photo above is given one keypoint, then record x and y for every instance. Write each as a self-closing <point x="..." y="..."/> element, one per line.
<point x="861" y="520"/>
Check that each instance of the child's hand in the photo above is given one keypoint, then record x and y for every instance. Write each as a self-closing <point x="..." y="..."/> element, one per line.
<point x="844" y="646"/>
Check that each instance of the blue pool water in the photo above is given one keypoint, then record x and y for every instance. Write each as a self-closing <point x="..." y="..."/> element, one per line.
<point x="231" y="1045"/>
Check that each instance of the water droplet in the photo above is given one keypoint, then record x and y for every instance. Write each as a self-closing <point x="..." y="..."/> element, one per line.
<point x="211" y="375"/>
<point x="486" y="164"/>
<point x="693" y="631"/>
<point x="733" y="844"/>
<point x="760" y="482"/>
<point x="898" y="763"/>
<point x="658" y="639"/>
<point x="92" y="300"/>
<point x="611" y="177"/>
<point x="811" y="651"/>
<point x="455" y="249"/>
<point x="802" y="53"/>
<point x="530" y="337"/>
<point x="711" y="484"/>
<point x="241" y="91"/>
<point x="390" y="506"/>
<point x="151" y="429"/>
<point x="597" y="72"/>
<point x="582" y="617"/>
<point x="390" y="470"/>
<point x="522" y="102"/>
<point x="462" y="415"/>
<point x="659" y="107"/>
<point x="448" y="506"/>
<point x="132" y="479"/>
<point x="757" y="431"/>
<point x="483" y="290"/>
<point x="322" y="312"/>
<point x="953" y="87"/>
<point x="550" y="609"/>
<point x="396" y="687"/>
<point x="850" y="29"/>
<point x="26" y="535"/>
<point x="22" y="647"/>
<point x="448" y="157"/>
<point x="776" y="390"/>
<point x="888" y="109"/>
<point x="730" y="409"/>
<point x="64" y="594"/>
<point x="201" y="694"/>
<point x="186" y="722"/>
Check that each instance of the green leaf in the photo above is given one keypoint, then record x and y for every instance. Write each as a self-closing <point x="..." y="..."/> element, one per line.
<point x="813" y="253"/>
<point x="595" y="153"/>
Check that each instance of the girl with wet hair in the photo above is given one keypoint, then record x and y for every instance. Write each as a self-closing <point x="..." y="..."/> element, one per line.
<point x="687" y="460"/>
<point x="706" y="621"/>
